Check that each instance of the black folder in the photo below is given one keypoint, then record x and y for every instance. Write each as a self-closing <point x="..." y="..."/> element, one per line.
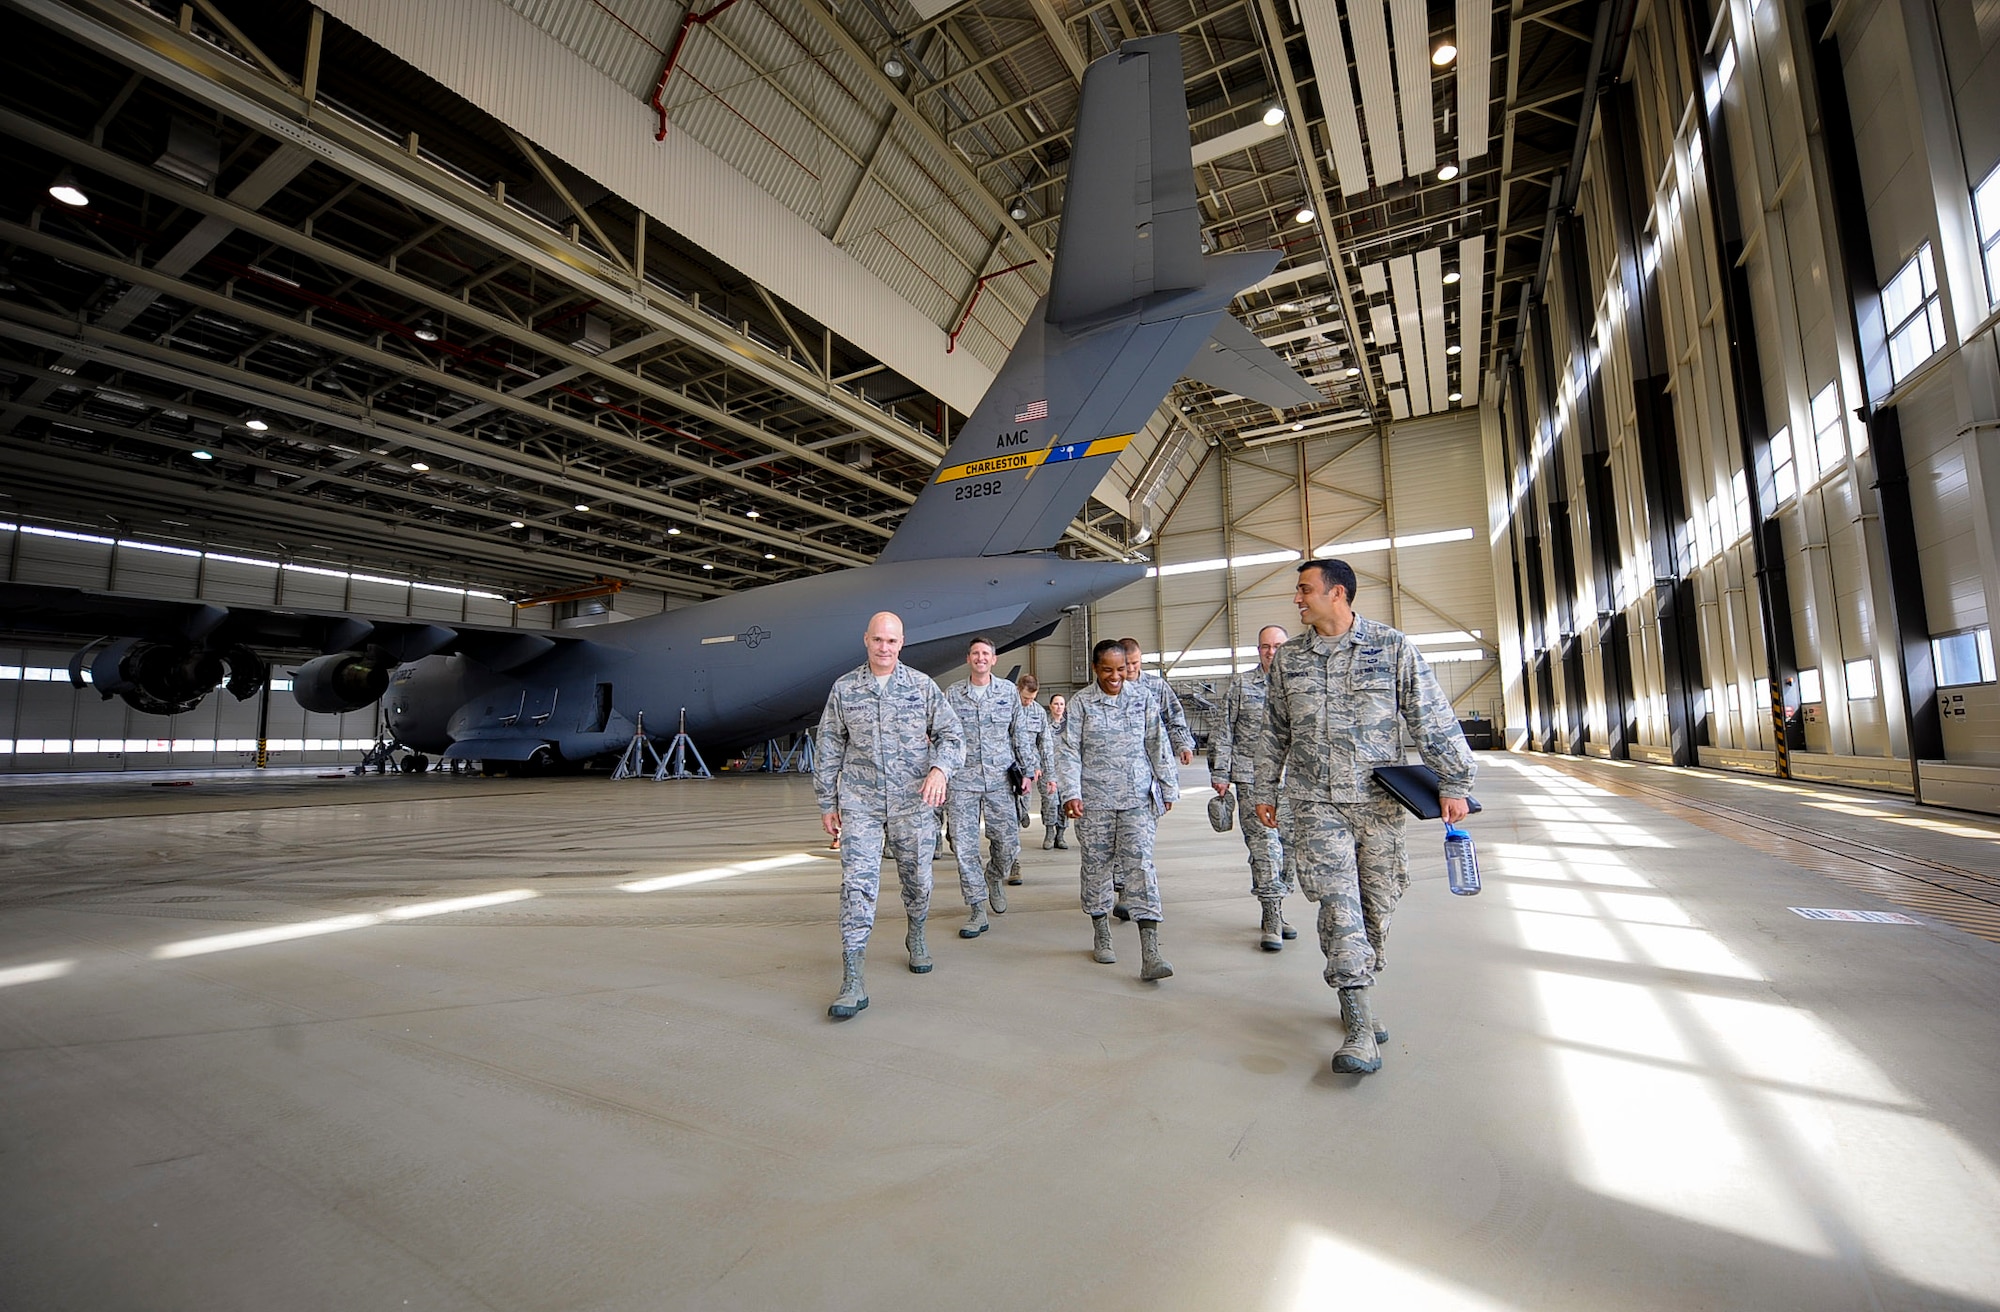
<point x="1416" y="787"/>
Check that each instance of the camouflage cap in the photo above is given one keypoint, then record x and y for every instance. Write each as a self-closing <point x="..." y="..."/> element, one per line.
<point x="1221" y="812"/>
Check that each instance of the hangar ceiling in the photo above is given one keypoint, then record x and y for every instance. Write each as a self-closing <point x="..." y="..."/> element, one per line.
<point x="411" y="338"/>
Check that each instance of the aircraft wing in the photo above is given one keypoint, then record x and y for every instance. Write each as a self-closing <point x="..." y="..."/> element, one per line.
<point x="74" y="614"/>
<point x="1235" y="361"/>
<point x="1130" y="227"/>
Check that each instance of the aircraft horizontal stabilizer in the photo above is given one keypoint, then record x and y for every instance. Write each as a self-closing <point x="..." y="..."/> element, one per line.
<point x="1233" y="360"/>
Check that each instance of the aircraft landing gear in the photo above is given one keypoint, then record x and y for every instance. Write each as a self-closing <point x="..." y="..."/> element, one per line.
<point x="382" y="759"/>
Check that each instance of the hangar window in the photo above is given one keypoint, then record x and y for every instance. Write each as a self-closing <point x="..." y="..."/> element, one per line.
<point x="1913" y="315"/>
<point x="1963" y="658"/>
<point x="1784" y="466"/>
<point x="1860" y="680"/>
<point x="1986" y="201"/>
<point x="1810" y="692"/>
<point x="1826" y="424"/>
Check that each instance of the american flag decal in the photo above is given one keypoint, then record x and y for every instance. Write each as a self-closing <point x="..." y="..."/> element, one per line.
<point x="1032" y="411"/>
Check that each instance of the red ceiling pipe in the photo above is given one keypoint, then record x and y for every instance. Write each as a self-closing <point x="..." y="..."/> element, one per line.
<point x="688" y="20"/>
<point x="977" y="288"/>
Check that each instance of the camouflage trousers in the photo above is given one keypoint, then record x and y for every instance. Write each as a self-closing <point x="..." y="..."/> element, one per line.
<point x="1118" y="849"/>
<point x="1003" y="838"/>
<point x="1350" y="858"/>
<point x="1052" y="816"/>
<point x="864" y="840"/>
<point x="1270" y="873"/>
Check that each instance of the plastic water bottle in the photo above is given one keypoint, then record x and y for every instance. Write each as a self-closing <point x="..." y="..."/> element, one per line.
<point x="1461" y="862"/>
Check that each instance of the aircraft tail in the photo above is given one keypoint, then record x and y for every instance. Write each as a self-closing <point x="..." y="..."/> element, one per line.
<point x="1131" y="303"/>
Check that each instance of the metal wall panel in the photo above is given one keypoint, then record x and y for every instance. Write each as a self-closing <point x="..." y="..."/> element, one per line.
<point x="607" y="45"/>
<point x="1475" y="79"/>
<point x="1373" y="68"/>
<point x="39" y="559"/>
<point x="528" y="80"/>
<point x="1413" y="84"/>
<point x="1942" y="500"/>
<point x="1336" y="91"/>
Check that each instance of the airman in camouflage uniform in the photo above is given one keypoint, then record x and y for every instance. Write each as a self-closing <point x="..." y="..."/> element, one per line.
<point x="1171" y="712"/>
<point x="1041" y="737"/>
<point x="1238" y="732"/>
<point x="990" y="713"/>
<point x="1053" y="819"/>
<point x="888" y="745"/>
<point x="1116" y="779"/>
<point x="1345" y="697"/>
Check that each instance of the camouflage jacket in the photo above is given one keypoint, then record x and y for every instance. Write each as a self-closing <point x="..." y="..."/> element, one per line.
<point x="1338" y="707"/>
<point x="876" y="744"/>
<point x="1239" y="728"/>
<point x="994" y="736"/>
<point x="1171" y="714"/>
<point x="1113" y="752"/>
<point x="1041" y="737"/>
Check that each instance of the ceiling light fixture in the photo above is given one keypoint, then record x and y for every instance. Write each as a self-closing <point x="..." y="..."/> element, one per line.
<point x="894" y="68"/>
<point x="1274" y="113"/>
<point x="201" y="455"/>
<point x="751" y="514"/>
<point x="673" y="532"/>
<point x="515" y="523"/>
<point x="420" y="466"/>
<point x="1444" y="54"/>
<point x="600" y="398"/>
<point x="427" y="331"/>
<point x="1353" y="372"/>
<point x="1018" y="211"/>
<point x="1456" y="397"/>
<point x="1447" y="172"/>
<point x="1450" y="277"/>
<point x="582" y="507"/>
<point x="708" y="567"/>
<point x="256" y="424"/>
<point x="1305" y="215"/>
<point x="1453" y="349"/>
<point x="1297" y="426"/>
<point x="64" y="189"/>
<point x="770" y="555"/>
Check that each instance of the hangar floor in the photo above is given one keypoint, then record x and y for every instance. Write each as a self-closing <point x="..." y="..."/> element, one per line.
<point x="252" y="1057"/>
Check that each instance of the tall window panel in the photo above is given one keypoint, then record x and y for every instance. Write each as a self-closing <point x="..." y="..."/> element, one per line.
<point x="1986" y="207"/>
<point x="1913" y="315"/>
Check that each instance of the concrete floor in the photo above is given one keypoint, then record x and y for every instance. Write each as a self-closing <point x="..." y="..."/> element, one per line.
<point x="1626" y="1076"/>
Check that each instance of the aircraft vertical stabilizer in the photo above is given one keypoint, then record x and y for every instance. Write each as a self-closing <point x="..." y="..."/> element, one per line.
<point x="1131" y="303"/>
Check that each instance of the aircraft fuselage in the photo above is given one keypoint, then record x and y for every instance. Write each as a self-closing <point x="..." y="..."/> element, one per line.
<point x="744" y="668"/>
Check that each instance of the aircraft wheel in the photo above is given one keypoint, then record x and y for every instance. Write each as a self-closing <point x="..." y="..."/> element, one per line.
<point x="542" y="761"/>
<point x="415" y="763"/>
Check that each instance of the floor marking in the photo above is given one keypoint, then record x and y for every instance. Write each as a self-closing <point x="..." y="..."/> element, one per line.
<point x="1867" y="917"/>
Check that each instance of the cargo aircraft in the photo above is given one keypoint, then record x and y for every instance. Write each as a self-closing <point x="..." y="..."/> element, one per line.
<point x="1133" y="305"/>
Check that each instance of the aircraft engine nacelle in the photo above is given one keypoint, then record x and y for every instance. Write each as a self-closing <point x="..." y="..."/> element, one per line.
<point x="162" y="679"/>
<point x="344" y="681"/>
